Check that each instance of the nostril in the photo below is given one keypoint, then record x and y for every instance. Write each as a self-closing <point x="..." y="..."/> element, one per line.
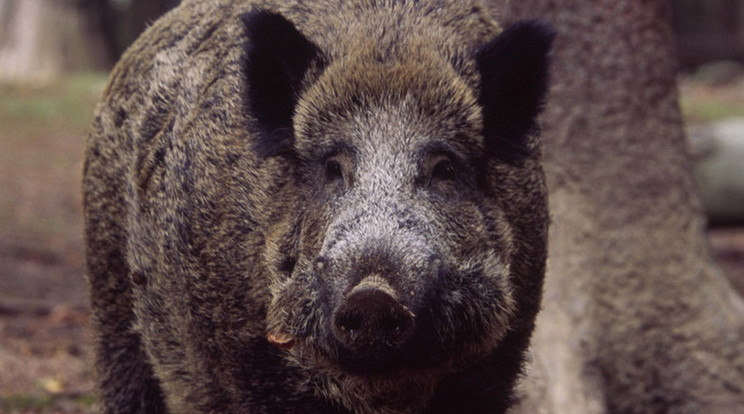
<point x="391" y="325"/>
<point x="350" y="323"/>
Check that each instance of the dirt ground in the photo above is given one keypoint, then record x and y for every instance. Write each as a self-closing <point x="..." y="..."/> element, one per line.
<point x="45" y="346"/>
<point x="45" y="343"/>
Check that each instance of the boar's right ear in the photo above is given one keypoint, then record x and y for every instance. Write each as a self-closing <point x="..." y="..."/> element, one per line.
<point x="514" y="80"/>
<point x="277" y="57"/>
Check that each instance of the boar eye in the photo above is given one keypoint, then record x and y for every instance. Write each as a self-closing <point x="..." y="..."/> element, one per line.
<point x="333" y="170"/>
<point x="443" y="169"/>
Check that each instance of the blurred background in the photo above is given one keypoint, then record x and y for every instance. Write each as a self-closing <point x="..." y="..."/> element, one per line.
<point x="54" y="59"/>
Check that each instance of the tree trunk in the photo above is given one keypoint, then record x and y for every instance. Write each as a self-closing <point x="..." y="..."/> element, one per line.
<point x="636" y="318"/>
<point x="42" y="38"/>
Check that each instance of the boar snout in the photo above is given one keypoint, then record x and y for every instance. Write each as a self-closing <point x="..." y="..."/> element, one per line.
<point x="372" y="324"/>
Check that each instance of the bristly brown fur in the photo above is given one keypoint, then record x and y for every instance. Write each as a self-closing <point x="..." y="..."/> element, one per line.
<point x="253" y="162"/>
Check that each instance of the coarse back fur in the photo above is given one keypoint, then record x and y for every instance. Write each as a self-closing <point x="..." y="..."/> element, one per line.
<point x="356" y="182"/>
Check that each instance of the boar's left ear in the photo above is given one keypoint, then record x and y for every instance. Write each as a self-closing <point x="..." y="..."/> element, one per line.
<point x="277" y="57"/>
<point x="514" y="79"/>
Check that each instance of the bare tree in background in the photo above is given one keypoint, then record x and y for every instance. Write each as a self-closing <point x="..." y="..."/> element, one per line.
<point x="636" y="318"/>
<point x="43" y="38"/>
<point x="40" y="38"/>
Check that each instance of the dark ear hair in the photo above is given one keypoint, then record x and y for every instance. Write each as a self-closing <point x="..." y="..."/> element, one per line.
<point x="514" y="79"/>
<point x="277" y="57"/>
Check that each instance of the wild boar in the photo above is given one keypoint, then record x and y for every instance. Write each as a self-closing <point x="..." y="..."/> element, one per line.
<point x="318" y="207"/>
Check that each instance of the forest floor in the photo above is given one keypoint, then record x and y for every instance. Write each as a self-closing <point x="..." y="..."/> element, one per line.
<point x="45" y="341"/>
